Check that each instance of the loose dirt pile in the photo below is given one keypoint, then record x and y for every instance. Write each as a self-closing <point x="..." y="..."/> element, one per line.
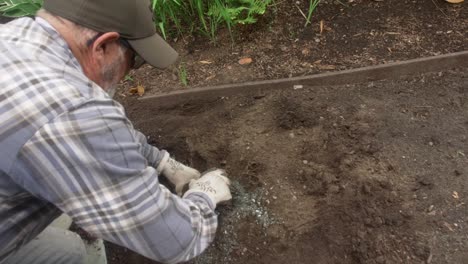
<point x="366" y="173"/>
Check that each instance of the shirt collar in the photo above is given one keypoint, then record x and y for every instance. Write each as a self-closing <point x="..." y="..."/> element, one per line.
<point x="60" y="43"/>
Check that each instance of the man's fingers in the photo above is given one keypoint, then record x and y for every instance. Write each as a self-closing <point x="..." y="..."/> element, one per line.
<point x="226" y="180"/>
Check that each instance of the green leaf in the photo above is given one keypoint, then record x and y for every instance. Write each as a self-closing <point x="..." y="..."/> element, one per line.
<point x="161" y="27"/>
<point x="19" y="8"/>
<point x="15" y="13"/>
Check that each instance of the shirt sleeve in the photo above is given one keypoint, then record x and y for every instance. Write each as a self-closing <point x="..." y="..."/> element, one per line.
<point x="152" y="154"/>
<point x="91" y="165"/>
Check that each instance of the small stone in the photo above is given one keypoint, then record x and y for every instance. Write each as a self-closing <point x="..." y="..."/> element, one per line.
<point x="334" y="189"/>
<point x="379" y="221"/>
<point x="366" y="189"/>
<point x="361" y="235"/>
<point x="291" y="135"/>
<point x="305" y="161"/>
<point x="430" y="208"/>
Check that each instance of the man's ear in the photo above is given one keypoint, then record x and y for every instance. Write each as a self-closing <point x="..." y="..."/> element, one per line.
<point x="101" y="44"/>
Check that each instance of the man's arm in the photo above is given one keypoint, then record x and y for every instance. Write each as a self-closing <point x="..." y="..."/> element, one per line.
<point x="177" y="173"/>
<point x="152" y="154"/>
<point x="90" y="165"/>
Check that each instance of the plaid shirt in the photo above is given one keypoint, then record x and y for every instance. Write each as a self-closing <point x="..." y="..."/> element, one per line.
<point x="66" y="146"/>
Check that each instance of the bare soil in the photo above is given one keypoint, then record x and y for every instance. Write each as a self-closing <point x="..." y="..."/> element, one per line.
<point x="366" y="173"/>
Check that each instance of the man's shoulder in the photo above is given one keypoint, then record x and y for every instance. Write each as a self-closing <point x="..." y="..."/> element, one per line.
<point x="35" y="51"/>
<point x="36" y="63"/>
<point x="22" y="31"/>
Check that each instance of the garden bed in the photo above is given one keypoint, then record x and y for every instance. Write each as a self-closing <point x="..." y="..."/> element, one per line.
<point x="365" y="173"/>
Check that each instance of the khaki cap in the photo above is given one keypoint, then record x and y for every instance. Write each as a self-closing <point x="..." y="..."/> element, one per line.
<point x="132" y="19"/>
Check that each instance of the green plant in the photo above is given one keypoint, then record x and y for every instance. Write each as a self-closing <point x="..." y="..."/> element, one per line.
<point x="183" y="74"/>
<point x="312" y="5"/>
<point x="176" y="17"/>
<point x="206" y="16"/>
<point x="19" y="8"/>
<point x="128" y="78"/>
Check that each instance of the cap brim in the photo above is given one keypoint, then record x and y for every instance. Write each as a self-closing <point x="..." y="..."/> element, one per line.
<point x="155" y="51"/>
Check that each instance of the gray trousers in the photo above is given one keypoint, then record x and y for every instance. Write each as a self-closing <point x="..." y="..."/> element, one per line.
<point x="53" y="245"/>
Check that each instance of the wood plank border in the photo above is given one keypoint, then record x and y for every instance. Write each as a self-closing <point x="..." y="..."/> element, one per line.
<point x="366" y="74"/>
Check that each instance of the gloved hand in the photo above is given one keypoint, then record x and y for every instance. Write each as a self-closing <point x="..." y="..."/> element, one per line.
<point x="176" y="172"/>
<point x="213" y="183"/>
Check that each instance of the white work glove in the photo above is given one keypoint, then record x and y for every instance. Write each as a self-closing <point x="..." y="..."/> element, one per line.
<point x="176" y="172"/>
<point x="214" y="184"/>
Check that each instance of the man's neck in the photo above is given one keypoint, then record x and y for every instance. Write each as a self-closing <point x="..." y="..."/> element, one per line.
<point x="67" y="32"/>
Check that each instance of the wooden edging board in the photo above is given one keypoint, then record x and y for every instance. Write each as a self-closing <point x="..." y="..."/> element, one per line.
<point x="366" y="74"/>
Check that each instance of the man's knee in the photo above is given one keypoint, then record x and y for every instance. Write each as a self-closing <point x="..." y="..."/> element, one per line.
<point x="53" y="245"/>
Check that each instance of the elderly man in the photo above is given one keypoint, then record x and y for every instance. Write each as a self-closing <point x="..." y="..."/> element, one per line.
<point x="67" y="147"/>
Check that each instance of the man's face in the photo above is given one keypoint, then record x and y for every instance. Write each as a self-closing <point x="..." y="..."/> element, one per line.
<point x="108" y="61"/>
<point x="116" y="69"/>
